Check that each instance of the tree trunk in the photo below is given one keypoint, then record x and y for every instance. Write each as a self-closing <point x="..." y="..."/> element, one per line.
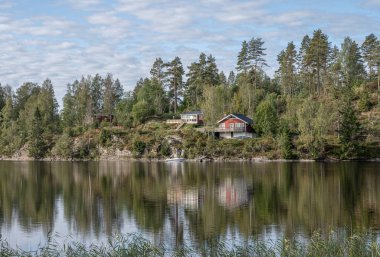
<point x="249" y="96"/>
<point x="175" y="96"/>
<point x="255" y="76"/>
<point x="319" y="80"/>
<point x="378" y="86"/>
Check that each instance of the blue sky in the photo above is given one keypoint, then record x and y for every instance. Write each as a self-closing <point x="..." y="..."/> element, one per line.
<point x="65" y="39"/>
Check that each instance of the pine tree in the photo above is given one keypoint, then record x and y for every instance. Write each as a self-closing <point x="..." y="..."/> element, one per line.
<point x="287" y="61"/>
<point x="82" y="102"/>
<point x="69" y="111"/>
<point x="157" y="70"/>
<point x="378" y="73"/>
<point x="231" y="79"/>
<point x="335" y="67"/>
<point x="10" y="139"/>
<point x="349" y="132"/>
<point x="371" y="54"/>
<point x="7" y="113"/>
<point x="211" y="76"/>
<point x="222" y="78"/>
<point x="37" y="146"/>
<point x="243" y="64"/>
<point x="303" y="65"/>
<point x="369" y="49"/>
<point x="193" y="87"/>
<point x="153" y="93"/>
<point x="351" y="63"/>
<point x="5" y="93"/>
<point x="317" y="57"/>
<point x="22" y="95"/>
<point x="256" y="53"/>
<point x="174" y="73"/>
<point x="108" y="95"/>
<point x="2" y="97"/>
<point x="96" y="94"/>
<point x="118" y="92"/>
<point x="48" y="107"/>
<point x="249" y="64"/>
<point x="200" y="74"/>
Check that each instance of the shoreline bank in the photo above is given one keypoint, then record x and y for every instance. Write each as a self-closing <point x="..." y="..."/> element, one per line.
<point x="200" y="159"/>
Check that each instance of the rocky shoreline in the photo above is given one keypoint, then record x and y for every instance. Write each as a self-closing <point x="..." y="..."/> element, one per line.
<point x="115" y="154"/>
<point x="260" y="159"/>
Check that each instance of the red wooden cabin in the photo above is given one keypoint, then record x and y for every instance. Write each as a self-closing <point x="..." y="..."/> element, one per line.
<point x="235" y="125"/>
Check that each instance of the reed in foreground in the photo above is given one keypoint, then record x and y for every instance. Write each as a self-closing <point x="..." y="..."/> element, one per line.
<point x="357" y="245"/>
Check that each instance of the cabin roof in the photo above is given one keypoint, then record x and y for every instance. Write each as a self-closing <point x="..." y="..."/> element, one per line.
<point x="239" y="116"/>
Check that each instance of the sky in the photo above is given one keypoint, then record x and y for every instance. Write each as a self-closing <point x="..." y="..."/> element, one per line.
<point x="65" y="39"/>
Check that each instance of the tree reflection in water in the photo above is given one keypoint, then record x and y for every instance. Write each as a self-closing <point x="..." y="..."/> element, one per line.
<point x="188" y="202"/>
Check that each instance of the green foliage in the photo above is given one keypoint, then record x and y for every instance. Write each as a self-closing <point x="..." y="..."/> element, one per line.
<point x="141" y="111"/>
<point x="315" y="121"/>
<point x="165" y="148"/>
<point x="157" y="70"/>
<point x="316" y="59"/>
<point x="105" y="137"/>
<point x="10" y="139"/>
<point x="285" y="146"/>
<point x="266" y="116"/>
<point x="139" y="147"/>
<point x="153" y="93"/>
<point x="371" y="54"/>
<point x="202" y="74"/>
<point x="349" y="132"/>
<point x="63" y="147"/>
<point x="124" y="109"/>
<point x="287" y="71"/>
<point x="112" y="93"/>
<point x="90" y="96"/>
<point x="214" y="104"/>
<point x="352" y="68"/>
<point x="364" y="102"/>
<point x="85" y="147"/>
<point x="37" y="147"/>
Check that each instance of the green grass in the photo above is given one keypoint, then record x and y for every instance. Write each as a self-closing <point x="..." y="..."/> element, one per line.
<point x="133" y="245"/>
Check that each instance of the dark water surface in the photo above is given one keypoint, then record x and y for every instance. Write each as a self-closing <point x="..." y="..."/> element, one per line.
<point x="184" y="202"/>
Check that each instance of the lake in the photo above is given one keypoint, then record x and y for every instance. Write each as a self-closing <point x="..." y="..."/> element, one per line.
<point x="192" y="203"/>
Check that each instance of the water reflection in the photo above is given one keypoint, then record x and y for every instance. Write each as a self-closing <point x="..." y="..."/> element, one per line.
<point x="185" y="201"/>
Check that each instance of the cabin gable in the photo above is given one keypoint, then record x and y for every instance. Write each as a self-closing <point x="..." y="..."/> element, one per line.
<point x="234" y="126"/>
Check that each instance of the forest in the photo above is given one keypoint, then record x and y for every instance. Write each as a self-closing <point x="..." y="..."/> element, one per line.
<point x="322" y="102"/>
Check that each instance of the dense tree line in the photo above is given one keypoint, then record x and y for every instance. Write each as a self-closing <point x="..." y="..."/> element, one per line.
<point x="314" y="97"/>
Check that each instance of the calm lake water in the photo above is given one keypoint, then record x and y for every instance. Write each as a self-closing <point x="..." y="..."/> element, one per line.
<point x="184" y="202"/>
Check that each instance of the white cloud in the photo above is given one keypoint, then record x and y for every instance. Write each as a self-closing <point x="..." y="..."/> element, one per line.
<point x="371" y="3"/>
<point x="125" y="36"/>
<point x="5" y="4"/>
<point x="82" y="4"/>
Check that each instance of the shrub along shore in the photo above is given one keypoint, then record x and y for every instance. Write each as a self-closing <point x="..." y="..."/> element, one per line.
<point x="356" y="245"/>
<point x="157" y="141"/>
